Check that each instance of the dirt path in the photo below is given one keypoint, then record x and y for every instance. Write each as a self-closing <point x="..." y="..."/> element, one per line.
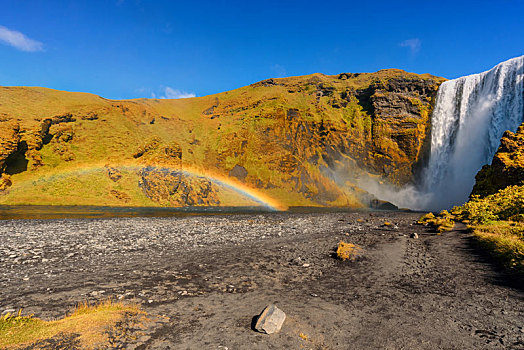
<point x="207" y="277"/>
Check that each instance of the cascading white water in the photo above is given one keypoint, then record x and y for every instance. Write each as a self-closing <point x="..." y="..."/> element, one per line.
<point x="469" y="118"/>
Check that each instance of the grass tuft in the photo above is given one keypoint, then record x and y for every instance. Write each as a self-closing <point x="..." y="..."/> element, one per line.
<point x="89" y="321"/>
<point x="348" y="251"/>
<point x="443" y="222"/>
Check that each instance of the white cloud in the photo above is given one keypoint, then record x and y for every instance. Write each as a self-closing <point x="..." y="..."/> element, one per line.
<point x="19" y="40"/>
<point x="413" y="45"/>
<point x="279" y="70"/>
<point x="170" y="93"/>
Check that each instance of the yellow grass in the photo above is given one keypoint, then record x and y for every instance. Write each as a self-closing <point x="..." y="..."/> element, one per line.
<point x="347" y="251"/>
<point x="505" y="240"/>
<point x="90" y="322"/>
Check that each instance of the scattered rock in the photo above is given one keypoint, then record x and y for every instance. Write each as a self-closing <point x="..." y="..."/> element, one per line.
<point x="239" y="172"/>
<point x="413" y="235"/>
<point x="90" y="116"/>
<point x="66" y="118"/>
<point x="382" y="205"/>
<point x="120" y="195"/>
<point x="10" y="311"/>
<point x="5" y="181"/>
<point x="114" y="174"/>
<point x="270" y="320"/>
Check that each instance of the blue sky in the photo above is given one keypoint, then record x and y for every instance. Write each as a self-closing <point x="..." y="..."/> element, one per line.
<point x="140" y="48"/>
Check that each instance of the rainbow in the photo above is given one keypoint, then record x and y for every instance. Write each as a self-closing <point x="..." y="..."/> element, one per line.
<point x="238" y="187"/>
<point x="220" y="180"/>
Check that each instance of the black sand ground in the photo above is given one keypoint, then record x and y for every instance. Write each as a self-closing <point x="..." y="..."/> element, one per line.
<point x="203" y="279"/>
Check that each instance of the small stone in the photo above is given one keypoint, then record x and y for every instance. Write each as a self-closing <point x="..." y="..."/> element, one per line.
<point x="270" y="320"/>
<point x="414" y="235"/>
<point x="306" y="265"/>
<point x="144" y="338"/>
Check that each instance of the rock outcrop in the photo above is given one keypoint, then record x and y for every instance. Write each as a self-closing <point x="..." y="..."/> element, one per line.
<point x="9" y="139"/>
<point x="175" y="188"/>
<point x="507" y="167"/>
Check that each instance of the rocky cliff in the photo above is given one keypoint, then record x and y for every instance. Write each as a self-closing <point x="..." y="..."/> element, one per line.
<point x="507" y="167"/>
<point x="299" y="140"/>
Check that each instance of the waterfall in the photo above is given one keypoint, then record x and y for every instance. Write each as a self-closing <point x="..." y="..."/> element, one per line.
<point x="469" y="118"/>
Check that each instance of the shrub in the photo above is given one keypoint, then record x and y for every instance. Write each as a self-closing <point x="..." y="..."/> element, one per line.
<point x="426" y="218"/>
<point x="441" y="223"/>
<point x="347" y="251"/>
<point x="506" y="204"/>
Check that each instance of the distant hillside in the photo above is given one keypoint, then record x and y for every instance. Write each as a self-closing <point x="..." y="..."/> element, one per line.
<point x="292" y="141"/>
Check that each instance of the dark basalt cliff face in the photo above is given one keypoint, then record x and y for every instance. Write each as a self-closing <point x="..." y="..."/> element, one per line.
<point x="9" y="139"/>
<point x="507" y="167"/>
<point x="299" y="140"/>
<point x="400" y="110"/>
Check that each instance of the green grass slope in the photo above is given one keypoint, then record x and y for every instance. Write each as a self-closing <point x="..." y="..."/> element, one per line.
<point x="279" y="140"/>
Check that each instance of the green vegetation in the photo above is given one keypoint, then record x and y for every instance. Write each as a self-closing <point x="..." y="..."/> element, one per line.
<point x="507" y="205"/>
<point x="505" y="240"/>
<point x="281" y="132"/>
<point x="89" y="322"/>
<point x="443" y="222"/>
<point x="497" y="221"/>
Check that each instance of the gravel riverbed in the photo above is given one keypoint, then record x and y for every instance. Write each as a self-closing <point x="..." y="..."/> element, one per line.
<point x="203" y="279"/>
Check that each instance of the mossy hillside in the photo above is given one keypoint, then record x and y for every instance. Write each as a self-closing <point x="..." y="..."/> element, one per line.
<point x="281" y="132"/>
